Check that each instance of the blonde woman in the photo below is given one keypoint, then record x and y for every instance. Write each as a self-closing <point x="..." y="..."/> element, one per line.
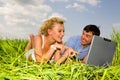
<point x="42" y="47"/>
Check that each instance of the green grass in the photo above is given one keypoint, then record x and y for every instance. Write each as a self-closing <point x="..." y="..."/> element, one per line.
<point x="13" y="65"/>
<point x="116" y="37"/>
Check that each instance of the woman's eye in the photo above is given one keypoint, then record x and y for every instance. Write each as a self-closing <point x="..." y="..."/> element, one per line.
<point x="59" y="31"/>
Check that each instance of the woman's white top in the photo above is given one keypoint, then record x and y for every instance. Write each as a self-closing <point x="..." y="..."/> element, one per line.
<point x="31" y="51"/>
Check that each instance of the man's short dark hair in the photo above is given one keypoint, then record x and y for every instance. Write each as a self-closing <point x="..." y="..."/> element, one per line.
<point x="92" y="28"/>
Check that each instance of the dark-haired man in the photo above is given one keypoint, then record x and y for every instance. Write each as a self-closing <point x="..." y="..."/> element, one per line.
<point x="82" y="43"/>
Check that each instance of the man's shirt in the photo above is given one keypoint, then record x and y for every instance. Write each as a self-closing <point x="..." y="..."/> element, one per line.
<point x="74" y="42"/>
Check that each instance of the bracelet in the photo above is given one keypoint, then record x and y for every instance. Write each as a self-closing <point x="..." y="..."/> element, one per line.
<point x="53" y="47"/>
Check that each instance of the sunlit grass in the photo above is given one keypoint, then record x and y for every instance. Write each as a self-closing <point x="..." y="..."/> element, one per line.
<point x="116" y="37"/>
<point x="13" y="65"/>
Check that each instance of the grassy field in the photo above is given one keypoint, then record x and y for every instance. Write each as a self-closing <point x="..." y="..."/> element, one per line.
<point x="13" y="65"/>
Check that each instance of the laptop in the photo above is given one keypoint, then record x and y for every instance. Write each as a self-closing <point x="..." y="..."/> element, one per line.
<point x="101" y="51"/>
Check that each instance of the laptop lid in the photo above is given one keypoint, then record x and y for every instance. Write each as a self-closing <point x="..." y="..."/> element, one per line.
<point x="101" y="51"/>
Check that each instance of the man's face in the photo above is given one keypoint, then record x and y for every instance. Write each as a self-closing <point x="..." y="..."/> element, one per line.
<point x="86" y="38"/>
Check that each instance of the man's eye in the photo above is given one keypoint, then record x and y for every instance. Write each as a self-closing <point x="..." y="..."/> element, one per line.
<point x="88" y="36"/>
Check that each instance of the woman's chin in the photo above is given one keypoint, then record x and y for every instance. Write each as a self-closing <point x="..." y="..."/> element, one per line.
<point x="59" y="41"/>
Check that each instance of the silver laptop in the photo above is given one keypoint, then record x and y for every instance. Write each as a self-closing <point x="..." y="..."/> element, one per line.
<point x="101" y="51"/>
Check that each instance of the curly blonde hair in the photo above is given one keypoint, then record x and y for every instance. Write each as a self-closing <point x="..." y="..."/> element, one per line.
<point x="48" y="24"/>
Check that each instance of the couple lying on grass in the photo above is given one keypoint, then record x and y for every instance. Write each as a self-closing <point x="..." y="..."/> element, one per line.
<point x="48" y="46"/>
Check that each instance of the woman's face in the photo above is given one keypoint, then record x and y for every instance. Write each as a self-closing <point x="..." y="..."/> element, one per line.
<point x="57" y="32"/>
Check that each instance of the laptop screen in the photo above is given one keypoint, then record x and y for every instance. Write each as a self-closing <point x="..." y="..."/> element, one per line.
<point x="101" y="51"/>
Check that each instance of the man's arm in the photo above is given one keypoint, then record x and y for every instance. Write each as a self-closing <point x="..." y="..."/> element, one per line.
<point x="85" y="59"/>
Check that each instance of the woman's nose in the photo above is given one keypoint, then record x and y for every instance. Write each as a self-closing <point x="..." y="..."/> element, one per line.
<point x="62" y="33"/>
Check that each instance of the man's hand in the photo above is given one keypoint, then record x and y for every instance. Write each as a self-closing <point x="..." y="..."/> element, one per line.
<point x="72" y="52"/>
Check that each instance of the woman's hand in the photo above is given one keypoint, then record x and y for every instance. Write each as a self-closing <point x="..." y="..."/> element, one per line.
<point x="58" y="46"/>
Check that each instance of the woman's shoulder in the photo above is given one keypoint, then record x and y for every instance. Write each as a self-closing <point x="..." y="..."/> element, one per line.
<point x="37" y="37"/>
